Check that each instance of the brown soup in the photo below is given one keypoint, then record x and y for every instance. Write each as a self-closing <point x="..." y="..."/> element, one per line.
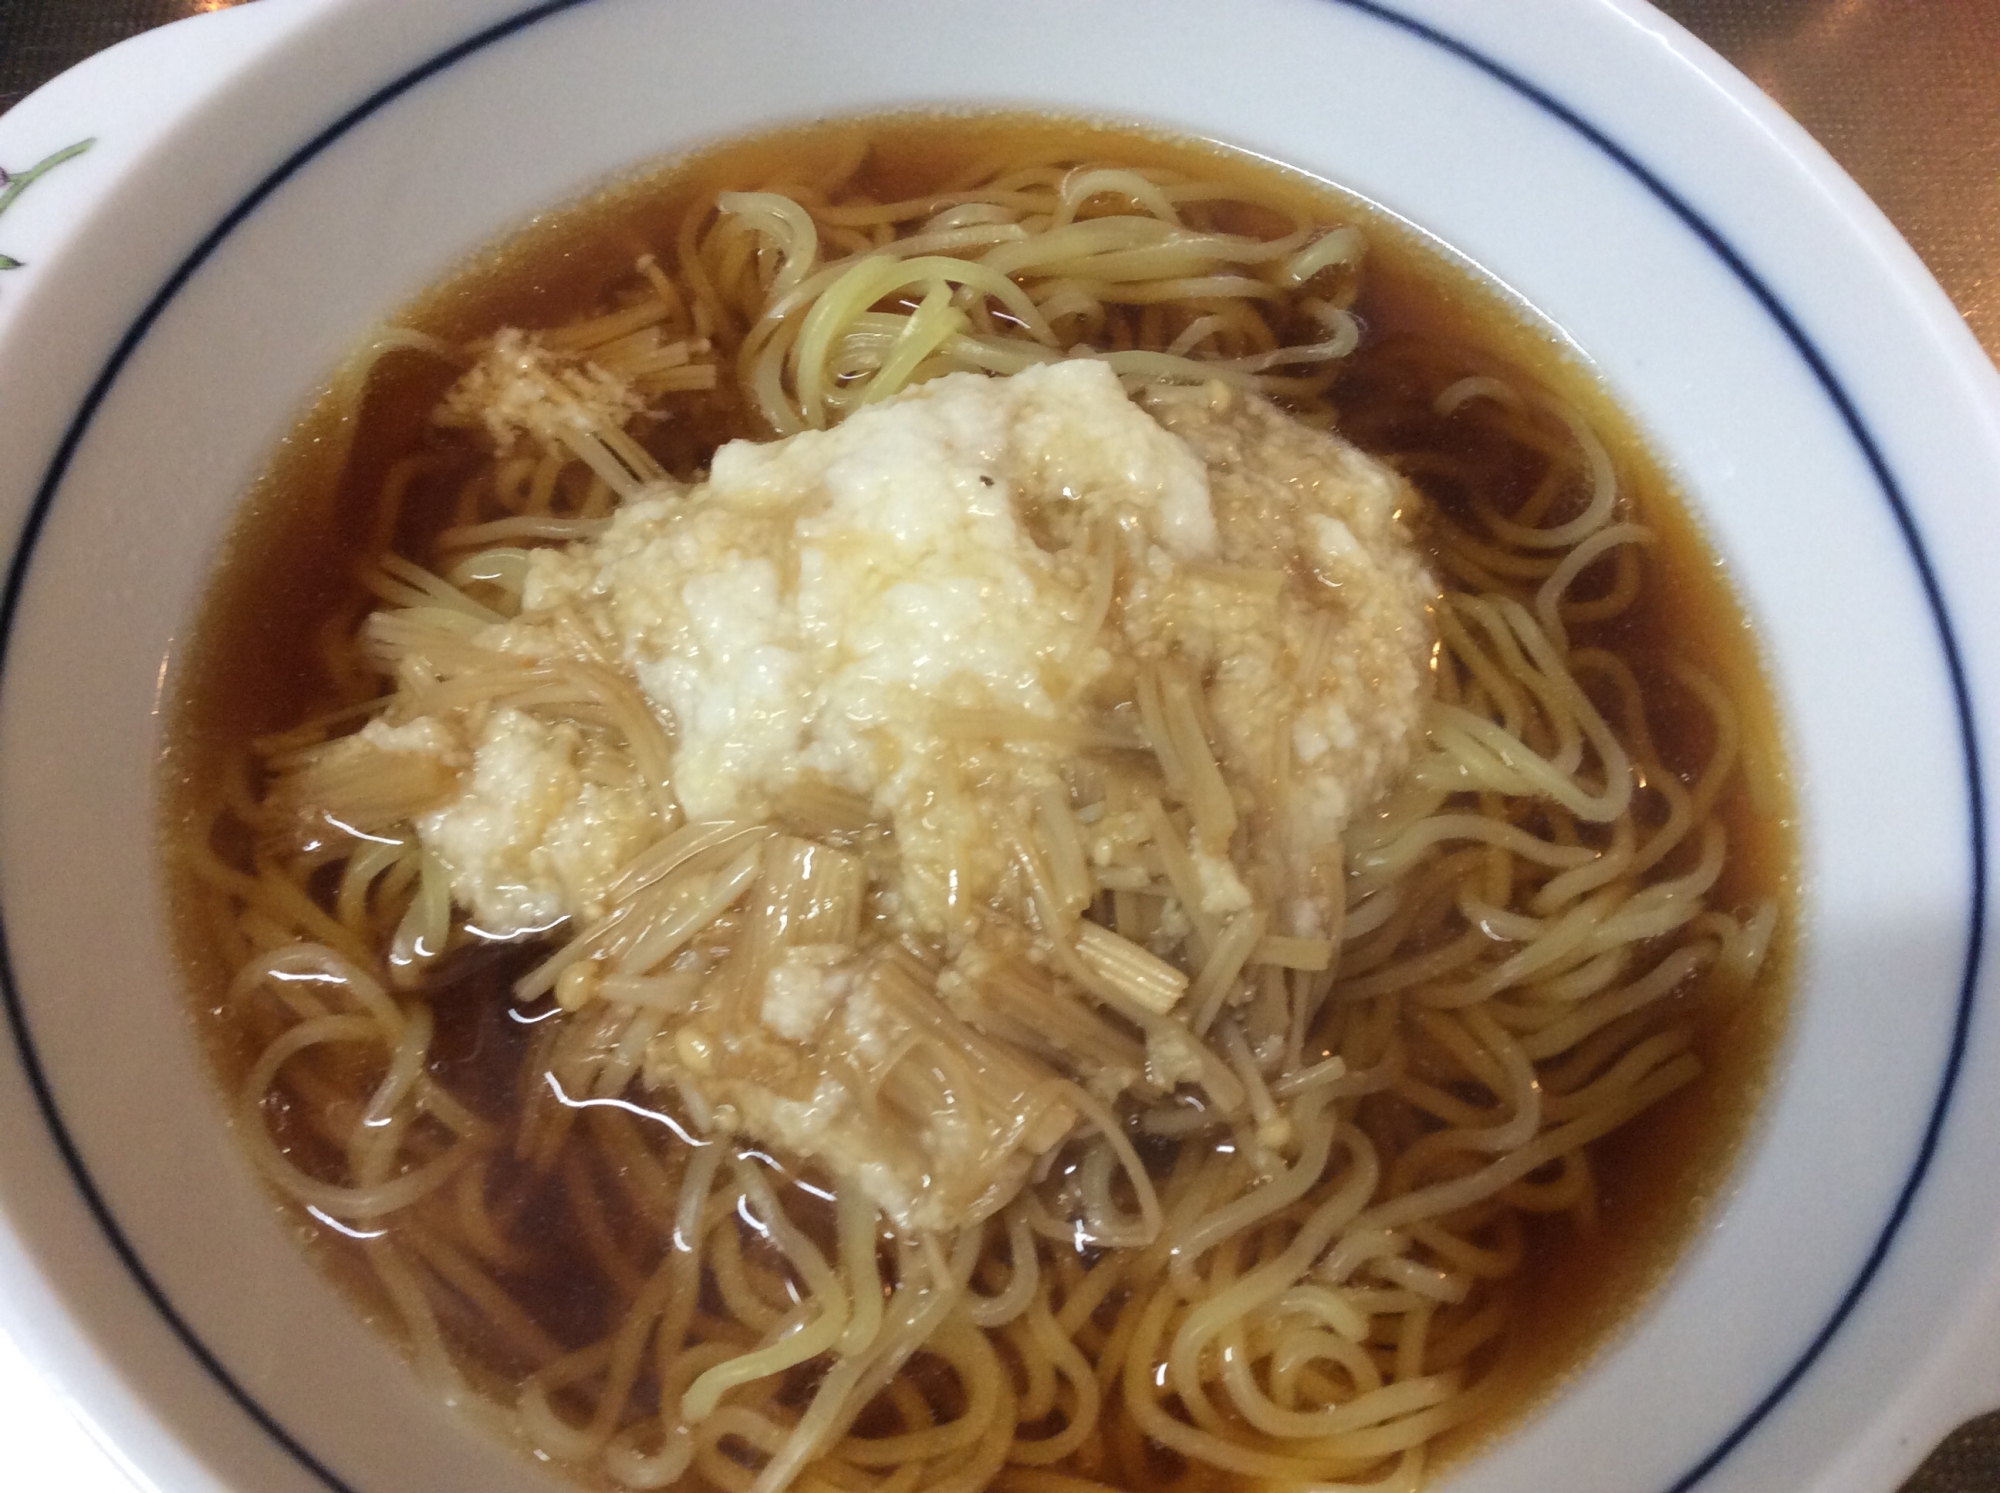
<point x="551" y="1244"/>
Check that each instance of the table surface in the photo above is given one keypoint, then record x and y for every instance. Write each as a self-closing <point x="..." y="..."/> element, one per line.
<point x="1906" y="98"/>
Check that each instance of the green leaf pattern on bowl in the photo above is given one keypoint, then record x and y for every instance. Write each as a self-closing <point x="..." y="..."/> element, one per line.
<point x="13" y="184"/>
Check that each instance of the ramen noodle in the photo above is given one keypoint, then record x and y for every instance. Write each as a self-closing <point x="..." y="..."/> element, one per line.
<point x="901" y="865"/>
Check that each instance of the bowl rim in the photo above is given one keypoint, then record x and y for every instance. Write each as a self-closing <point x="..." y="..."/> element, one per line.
<point x="1487" y="61"/>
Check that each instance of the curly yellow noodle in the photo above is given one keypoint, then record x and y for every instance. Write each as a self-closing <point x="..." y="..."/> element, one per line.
<point x="1264" y="1185"/>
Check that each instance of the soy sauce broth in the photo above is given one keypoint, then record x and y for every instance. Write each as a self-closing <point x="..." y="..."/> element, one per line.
<point x="283" y="580"/>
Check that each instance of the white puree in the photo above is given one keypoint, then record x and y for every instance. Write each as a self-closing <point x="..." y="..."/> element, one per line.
<point x="821" y="605"/>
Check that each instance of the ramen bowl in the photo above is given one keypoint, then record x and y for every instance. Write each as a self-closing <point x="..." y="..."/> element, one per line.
<point x="261" y="186"/>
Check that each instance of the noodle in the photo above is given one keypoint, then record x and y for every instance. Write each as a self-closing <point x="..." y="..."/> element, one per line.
<point x="1203" y="1131"/>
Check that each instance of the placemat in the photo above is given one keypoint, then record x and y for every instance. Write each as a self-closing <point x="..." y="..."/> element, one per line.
<point x="1906" y="97"/>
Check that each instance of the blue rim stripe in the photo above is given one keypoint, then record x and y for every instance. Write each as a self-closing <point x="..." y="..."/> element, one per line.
<point x="1689" y="217"/>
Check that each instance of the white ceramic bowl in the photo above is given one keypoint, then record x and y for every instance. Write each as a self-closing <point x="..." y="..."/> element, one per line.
<point x="266" y="182"/>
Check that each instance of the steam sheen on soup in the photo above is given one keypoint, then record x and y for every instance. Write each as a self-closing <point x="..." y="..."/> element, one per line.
<point x="964" y="803"/>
